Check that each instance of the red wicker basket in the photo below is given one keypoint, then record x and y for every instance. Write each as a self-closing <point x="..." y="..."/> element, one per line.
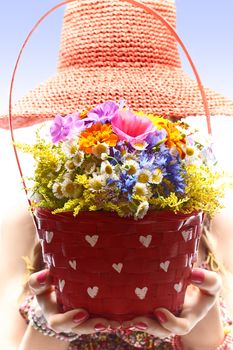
<point x="119" y="268"/>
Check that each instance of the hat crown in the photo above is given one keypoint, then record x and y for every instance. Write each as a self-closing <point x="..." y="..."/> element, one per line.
<point x="117" y="34"/>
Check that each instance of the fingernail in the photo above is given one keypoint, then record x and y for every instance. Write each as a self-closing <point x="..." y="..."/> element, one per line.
<point x="197" y="276"/>
<point x="99" y="327"/>
<point x="80" y="316"/>
<point x="141" y="325"/>
<point x="41" y="278"/>
<point x="162" y="318"/>
<point x="130" y="328"/>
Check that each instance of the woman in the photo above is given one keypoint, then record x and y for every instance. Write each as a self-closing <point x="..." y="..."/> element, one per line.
<point x="87" y="56"/>
<point x="201" y="313"/>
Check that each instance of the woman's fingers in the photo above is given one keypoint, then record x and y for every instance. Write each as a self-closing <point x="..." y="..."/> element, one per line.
<point x="76" y="320"/>
<point x="147" y="325"/>
<point x="207" y="281"/>
<point x="72" y="321"/>
<point x="68" y="321"/>
<point x="40" y="282"/>
<point x="199" y="299"/>
<point x="40" y="285"/>
<point x="94" y="325"/>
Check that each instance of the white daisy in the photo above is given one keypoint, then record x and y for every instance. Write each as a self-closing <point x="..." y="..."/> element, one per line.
<point x="100" y="148"/>
<point x="70" y="189"/>
<point x="97" y="182"/>
<point x="156" y="176"/>
<point x="141" y="189"/>
<point x="78" y="158"/>
<point x="57" y="190"/>
<point x="58" y="166"/>
<point x="142" y="210"/>
<point x="131" y="166"/>
<point x="70" y="148"/>
<point x="107" y="168"/>
<point x="144" y="175"/>
<point x="70" y="165"/>
<point x="36" y="197"/>
<point x="129" y="156"/>
<point x="89" y="167"/>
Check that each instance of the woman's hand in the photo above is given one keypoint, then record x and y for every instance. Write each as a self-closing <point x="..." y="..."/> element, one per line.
<point x="200" y="298"/>
<point x="76" y="321"/>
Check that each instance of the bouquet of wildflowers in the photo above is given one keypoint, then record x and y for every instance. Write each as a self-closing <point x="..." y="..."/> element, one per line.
<point x="111" y="158"/>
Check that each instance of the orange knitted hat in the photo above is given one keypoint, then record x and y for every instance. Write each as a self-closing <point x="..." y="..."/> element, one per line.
<point x="112" y="50"/>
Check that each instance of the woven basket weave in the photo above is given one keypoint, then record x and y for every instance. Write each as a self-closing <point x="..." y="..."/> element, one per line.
<point x="119" y="268"/>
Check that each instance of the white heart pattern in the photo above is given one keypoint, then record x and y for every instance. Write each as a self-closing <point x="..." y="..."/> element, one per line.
<point x="187" y="234"/>
<point x="61" y="284"/>
<point x="92" y="240"/>
<point x="92" y="291"/>
<point x="73" y="264"/>
<point x="141" y="292"/>
<point x="178" y="287"/>
<point x="165" y="265"/>
<point x="117" y="267"/>
<point x="48" y="236"/>
<point x="145" y="240"/>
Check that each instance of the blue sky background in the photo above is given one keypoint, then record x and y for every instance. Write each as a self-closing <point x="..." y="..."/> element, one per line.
<point x="205" y="26"/>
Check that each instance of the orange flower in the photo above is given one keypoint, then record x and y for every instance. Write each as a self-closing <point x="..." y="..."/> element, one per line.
<point x="174" y="137"/>
<point x="97" y="133"/>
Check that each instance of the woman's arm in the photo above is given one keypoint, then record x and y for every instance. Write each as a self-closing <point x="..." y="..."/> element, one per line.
<point x="208" y="334"/>
<point x="34" y="340"/>
<point x="222" y="230"/>
<point x="16" y="240"/>
<point x="210" y="328"/>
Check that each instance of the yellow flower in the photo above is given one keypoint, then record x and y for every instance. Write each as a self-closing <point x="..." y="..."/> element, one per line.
<point x="96" y="134"/>
<point x="174" y="136"/>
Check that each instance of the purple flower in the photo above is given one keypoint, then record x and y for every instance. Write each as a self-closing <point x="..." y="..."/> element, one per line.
<point x="154" y="138"/>
<point x="102" y="112"/>
<point x="66" y="127"/>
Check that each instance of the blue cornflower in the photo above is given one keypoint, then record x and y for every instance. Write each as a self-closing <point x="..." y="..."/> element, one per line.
<point x="116" y="156"/>
<point x="125" y="183"/>
<point x="175" y="174"/>
<point x="172" y="170"/>
<point x="146" y="160"/>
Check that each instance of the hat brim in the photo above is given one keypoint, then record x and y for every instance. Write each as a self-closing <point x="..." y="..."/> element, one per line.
<point x="160" y="90"/>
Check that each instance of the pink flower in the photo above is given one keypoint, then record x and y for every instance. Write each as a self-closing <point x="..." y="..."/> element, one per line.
<point x="130" y="127"/>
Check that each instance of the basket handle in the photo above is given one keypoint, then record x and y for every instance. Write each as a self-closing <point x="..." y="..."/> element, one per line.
<point x="136" y="3"/>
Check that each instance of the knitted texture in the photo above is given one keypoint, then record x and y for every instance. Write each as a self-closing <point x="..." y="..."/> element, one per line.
<point x="117" y="34"/>
<point x="111" y="50"/>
